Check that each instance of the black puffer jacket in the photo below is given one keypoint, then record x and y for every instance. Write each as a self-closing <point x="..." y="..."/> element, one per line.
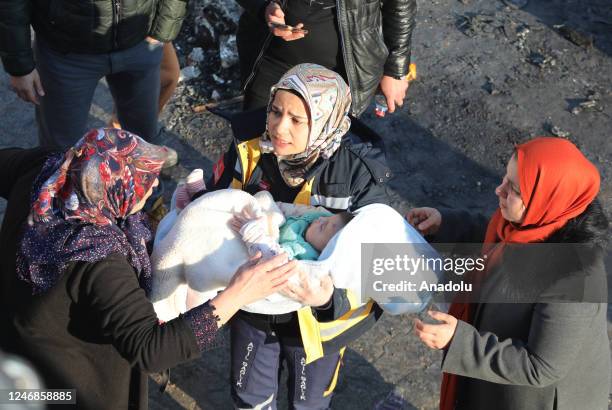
<point x="376" y="38"/>
<point x="84" y="26"/>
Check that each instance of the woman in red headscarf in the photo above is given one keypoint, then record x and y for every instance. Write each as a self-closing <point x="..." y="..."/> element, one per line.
<point x="515" y="346"/>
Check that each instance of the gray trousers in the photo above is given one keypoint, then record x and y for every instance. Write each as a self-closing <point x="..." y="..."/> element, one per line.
<point x="70" y="79"/>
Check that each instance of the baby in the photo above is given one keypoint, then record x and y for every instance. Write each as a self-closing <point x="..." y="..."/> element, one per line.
<point x="196" y="246"/>
<point x="302" y="237"/>
<point x="197" y="249"/>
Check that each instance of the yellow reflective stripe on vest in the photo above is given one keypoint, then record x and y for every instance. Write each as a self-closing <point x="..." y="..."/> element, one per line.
<point x="330" y="330"/>
<point x="312" y="332"/>
<point x="248" y="157"/>
<point x="303" y="197"/>
<point x="332" y="385"/>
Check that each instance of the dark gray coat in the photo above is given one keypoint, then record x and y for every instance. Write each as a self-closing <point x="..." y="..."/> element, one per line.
<point x="540" y="356"/>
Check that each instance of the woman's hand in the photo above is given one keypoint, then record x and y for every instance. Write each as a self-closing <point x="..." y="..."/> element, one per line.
<point x="426" y="220"/>
<point x="436" y="336"/>
<point x="309" y="295"/>
<point x="275" y="15"/>
<point x="152" y="40"/>
<point x="254" y="280"/>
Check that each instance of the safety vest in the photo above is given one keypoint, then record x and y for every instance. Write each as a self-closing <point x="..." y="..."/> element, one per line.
<point x="315" y="335"/>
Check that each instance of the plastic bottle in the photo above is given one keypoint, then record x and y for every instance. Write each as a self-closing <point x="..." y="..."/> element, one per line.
<point x="381" y="101"/>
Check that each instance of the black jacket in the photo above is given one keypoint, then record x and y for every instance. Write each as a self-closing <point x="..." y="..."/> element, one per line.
<point x="84" y="26"/>
<point x="540" y="354"/>
<point x="95" y="330"/>
<point x="355" y="176"/>
<point x="375" y="37"/>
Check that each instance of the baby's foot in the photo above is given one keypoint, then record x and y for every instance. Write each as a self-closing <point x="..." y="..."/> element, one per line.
<point x="182" y="197"/>
<point x="195" y="182"/>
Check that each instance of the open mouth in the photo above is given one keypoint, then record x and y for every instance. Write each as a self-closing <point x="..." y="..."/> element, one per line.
<point x="280" y="142"/>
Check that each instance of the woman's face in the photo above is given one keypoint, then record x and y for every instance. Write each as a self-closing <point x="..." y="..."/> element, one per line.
<point x="288" y="123"/>
<point x="509" y="194"/>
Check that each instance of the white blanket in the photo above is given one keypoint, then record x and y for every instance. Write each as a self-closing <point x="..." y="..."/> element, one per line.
<point x="196" y="253"/>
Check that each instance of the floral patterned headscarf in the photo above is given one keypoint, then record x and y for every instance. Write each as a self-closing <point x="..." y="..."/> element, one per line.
<point x="328" y="99"/>
<point x="82" y="203"/>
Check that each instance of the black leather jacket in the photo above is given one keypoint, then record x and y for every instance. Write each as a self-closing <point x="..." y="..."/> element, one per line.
<point x="83" y="26"/>
<point x="375" y="37"/>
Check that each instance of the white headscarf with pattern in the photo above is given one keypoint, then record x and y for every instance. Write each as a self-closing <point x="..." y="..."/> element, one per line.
<point x="328" y="98"/>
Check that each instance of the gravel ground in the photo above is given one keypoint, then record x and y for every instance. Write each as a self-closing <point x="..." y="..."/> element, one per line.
<point x="489" y="76"/>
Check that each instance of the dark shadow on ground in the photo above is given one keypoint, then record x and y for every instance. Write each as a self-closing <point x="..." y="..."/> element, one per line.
<point x="592" y="18"/>
<point x="206" y="382"/>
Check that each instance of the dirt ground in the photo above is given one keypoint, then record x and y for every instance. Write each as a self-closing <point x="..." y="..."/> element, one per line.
<point x="489" y="76"/>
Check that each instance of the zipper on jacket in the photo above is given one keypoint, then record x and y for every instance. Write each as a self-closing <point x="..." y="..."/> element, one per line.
<point x="345" y="56"/>
<point x="261" y="53"/>
<point x="116" y="10"/>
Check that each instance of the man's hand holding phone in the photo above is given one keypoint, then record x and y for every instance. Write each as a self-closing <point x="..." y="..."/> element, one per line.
<point x="275" y="19"/>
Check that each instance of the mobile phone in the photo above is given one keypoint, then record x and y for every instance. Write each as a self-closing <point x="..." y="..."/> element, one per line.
<point x="289" y="28"/>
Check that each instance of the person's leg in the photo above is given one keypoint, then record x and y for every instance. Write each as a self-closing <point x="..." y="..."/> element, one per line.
<point x="255" y="359"/>
<point x="134" y="83"/>
<point x="311" y="385"/>
<point x="169" y="75"/>
<point x="69" y="81"/>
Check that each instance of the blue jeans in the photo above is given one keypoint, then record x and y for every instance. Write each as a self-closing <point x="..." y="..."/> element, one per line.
<point x="70" y="79"/>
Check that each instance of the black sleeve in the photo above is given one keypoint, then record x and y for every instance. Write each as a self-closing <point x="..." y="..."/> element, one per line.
<point x="398" y="23"/>
<point x="365" y="190"/>
<point x="15" y="42"/>
<point x="254" y="7"/>
<point x="460" y="226"/>
<point x="109" y="291"/>
<point x="337" y="306"/>
<point x="16" y="162"/>
<point x="224" y="170"/>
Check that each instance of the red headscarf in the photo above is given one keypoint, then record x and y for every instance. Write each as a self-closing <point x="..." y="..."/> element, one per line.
<point x="557" y="183"/>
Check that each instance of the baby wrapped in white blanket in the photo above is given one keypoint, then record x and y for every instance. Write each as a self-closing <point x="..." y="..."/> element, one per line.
<point x="196" y="252"/>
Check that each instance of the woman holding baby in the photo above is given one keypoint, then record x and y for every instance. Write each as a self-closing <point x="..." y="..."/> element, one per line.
<point x="521" y="348"/>
<point x="299" y="150"/>
<point x="76" y="271"/>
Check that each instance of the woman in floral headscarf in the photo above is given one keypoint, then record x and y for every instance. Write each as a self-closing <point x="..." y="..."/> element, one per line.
<point x="301" y="151"/>
<point x="513" y="345"/>
<point x="74" y="296"/>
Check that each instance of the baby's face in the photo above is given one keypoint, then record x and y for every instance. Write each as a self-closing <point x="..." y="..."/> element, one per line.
<point x="321" y="230"/>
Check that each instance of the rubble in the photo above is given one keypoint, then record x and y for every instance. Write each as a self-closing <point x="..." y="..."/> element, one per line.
<point x="515" y="4"/>
<point x="490" y="87"/>
<point x="228" y="51"/>
<point x="473" y="24"/>
<point x="591" y="104"/>
<point x="576" y="37"/>
<point x="189" y="73"/>
<point x="196" y="55"/>
<point x="540" y="60"/>
<point x="558" y="132"/>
